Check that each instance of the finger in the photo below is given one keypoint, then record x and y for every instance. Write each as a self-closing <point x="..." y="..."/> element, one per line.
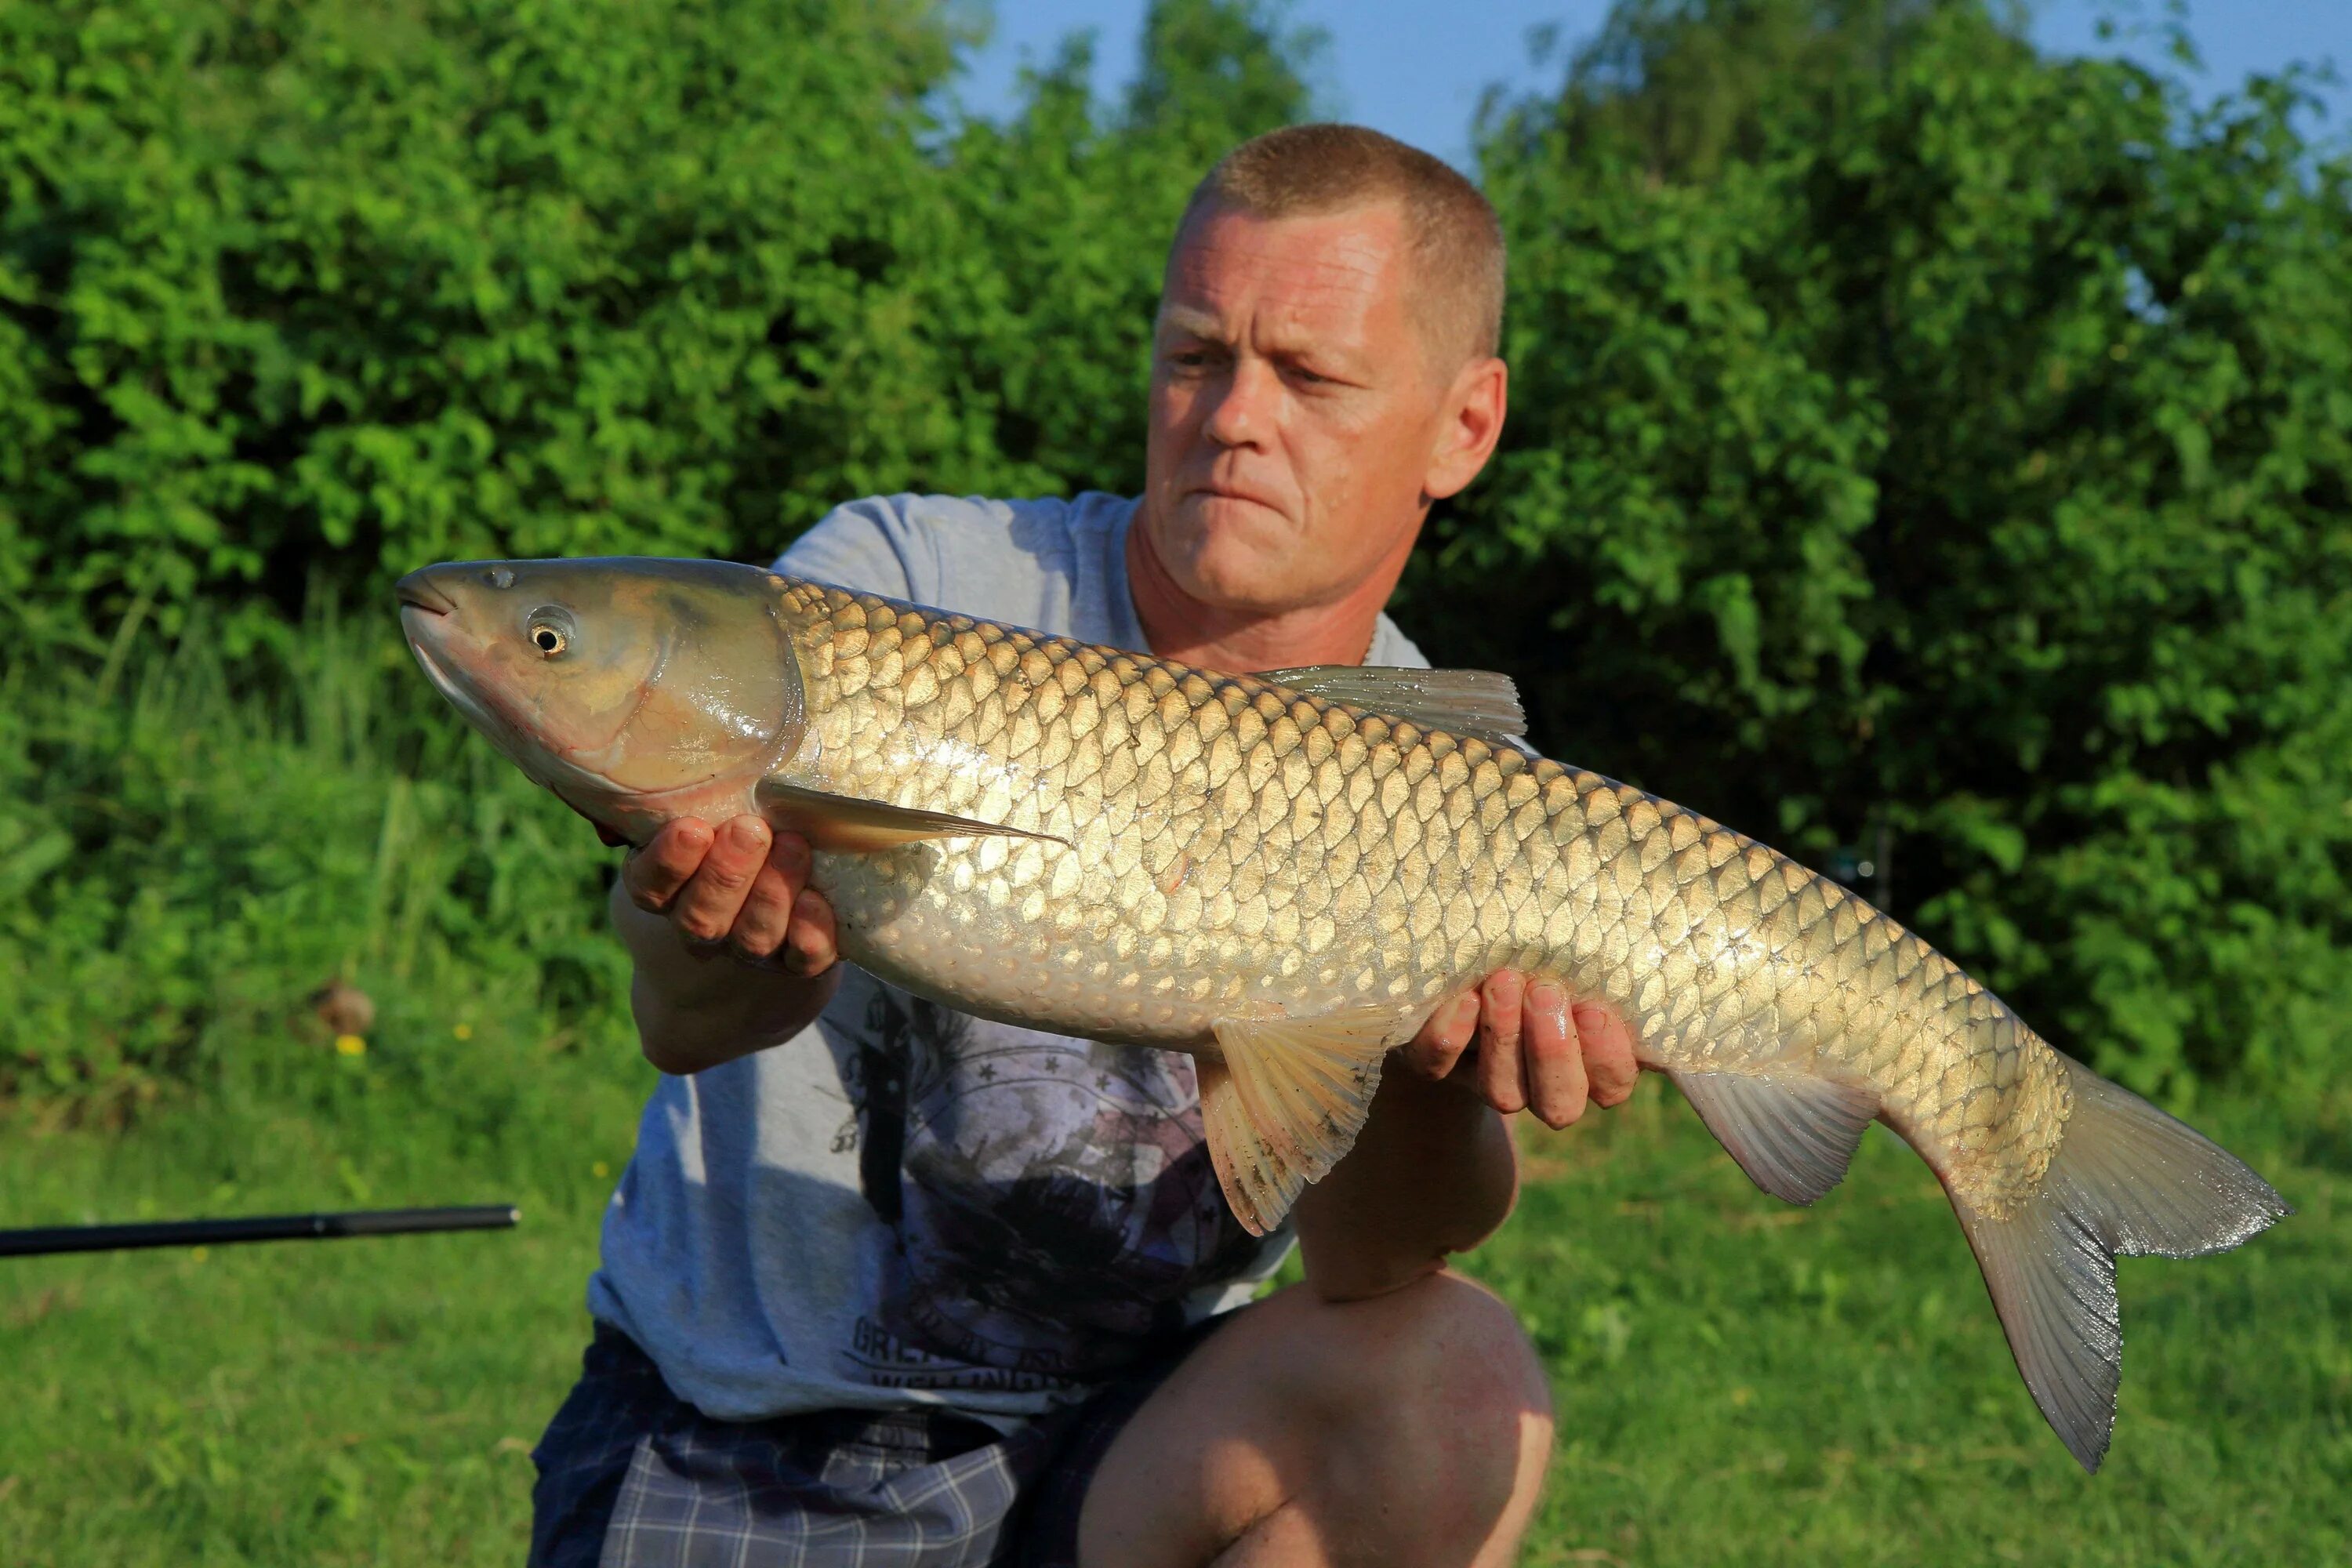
<point x="707" y="907"/>
<point x="1607" y="1045"/>
<point x="1553" y="1054"/>
<point x="1434" y="1051"/>
<point x="1499" y="1077"/>
<point x="791" y="856"/>
<point x="767" y="912"/>
<point x="653" y="875"/>
<point x="811" y="947"/>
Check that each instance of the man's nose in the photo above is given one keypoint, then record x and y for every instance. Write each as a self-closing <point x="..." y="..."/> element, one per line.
<point x="1244" y="410"/>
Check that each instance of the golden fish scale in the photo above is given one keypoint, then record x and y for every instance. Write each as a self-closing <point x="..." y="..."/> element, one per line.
<point x="1243" y="851"/>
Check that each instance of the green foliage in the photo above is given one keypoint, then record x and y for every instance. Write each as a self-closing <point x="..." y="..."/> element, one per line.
<point x="294" y="297"/>
<point x="292" y="290"/>
<point x="356" y="284"/>
<point x="1961" y="452"/>
<point x="185" y="867"/>
<point x="1917" y="443"/>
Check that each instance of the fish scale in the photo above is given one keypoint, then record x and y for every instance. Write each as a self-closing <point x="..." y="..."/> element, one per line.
<point x="1284" y="875"/>
<point x="1650" y="906"/>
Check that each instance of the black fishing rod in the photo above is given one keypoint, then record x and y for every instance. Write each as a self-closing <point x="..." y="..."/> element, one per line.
<point x="60" y="1238"/>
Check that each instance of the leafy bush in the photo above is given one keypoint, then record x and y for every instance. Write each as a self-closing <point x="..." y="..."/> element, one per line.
<point x="188" y="866"/>
<point x="1956" y="457"/>
<point x="1917" y="444"/>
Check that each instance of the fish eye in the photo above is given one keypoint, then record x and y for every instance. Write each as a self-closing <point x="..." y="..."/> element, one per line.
<point x="549" y="637"/>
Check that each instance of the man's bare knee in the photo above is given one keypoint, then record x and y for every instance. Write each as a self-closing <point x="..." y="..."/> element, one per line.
<point x="1410" y="1428"/>
<point x="1445" y="1431"/>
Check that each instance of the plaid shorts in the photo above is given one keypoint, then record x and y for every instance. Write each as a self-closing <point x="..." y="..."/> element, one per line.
<point x="630" y="1475"/>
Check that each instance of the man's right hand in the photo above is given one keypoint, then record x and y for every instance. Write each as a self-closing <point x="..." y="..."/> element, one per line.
<point x="733" y="951"/>
<point x="739" y="888"/>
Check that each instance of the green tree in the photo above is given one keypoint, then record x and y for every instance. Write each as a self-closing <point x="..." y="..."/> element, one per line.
<point x="300" y="288"/>
<point x="1071" y="205"/>
<point x="1962" y="447"/>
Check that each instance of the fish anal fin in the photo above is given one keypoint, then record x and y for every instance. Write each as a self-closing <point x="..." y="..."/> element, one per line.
<point x="1478" y="703"/>
<point x="1794" y="1136"/>
<point x="1294" y="1093"/>
<point x="845" y="824"/>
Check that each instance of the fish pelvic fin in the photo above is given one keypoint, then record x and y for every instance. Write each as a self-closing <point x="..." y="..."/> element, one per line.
<point x="1287" y="1101"/>
<point x="2126" y="1179"/>
<point x="845" y="823"/>
<point x="1794" y="1136"/>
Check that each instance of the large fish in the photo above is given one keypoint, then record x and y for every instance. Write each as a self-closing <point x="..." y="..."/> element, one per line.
<point x="1284" y="874"/>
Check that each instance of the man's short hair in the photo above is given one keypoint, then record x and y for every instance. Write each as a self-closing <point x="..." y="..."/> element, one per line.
<point x="1311" y="170"/>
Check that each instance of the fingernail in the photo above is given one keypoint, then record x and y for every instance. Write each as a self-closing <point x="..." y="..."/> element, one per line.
<point x="746" y="831"/>
<point x="1465" y="1012"/>
<point x="1547" y="998"/>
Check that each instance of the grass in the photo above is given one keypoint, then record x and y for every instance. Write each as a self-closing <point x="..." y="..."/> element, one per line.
<point x="1737" y="1383"/>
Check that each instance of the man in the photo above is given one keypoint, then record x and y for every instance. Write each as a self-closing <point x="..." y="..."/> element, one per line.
<point x="885" y="1284"/>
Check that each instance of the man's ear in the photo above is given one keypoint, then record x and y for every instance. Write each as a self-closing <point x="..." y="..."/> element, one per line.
<point x="1473" y="422"/>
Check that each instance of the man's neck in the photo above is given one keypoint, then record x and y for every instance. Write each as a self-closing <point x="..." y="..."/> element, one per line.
<point x="1181" y="627"/>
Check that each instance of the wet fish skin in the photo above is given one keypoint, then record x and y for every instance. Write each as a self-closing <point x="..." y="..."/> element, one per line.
<point x="1108" y="844"/>
<point x="1239" y="846"/>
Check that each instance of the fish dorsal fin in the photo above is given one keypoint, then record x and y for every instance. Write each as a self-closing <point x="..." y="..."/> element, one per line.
<point x="841" y="822"/>
<point x="1793" y="1136"/>
<point x="1288" y="1100"/>
<point x="1459" y="702"/>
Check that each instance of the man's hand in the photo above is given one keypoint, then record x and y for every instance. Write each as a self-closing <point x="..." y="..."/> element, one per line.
<point x="1535" y="1051"/>
<point x="733" y="952"/>
<point x="739" y="889"/>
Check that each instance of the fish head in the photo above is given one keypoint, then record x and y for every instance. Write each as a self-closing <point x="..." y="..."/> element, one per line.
<point x="638" y="689"/>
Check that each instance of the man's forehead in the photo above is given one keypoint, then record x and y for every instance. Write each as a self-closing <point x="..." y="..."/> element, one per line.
<point x="1326" y="266"/>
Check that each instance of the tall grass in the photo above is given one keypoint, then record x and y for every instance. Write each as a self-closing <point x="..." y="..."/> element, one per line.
<point x="198" y="845"/>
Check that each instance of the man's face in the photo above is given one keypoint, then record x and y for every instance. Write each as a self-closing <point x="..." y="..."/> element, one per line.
<point x="1299" y="425"/>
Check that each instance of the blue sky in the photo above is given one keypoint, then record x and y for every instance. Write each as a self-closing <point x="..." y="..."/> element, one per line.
<point x="1415" y="68"/>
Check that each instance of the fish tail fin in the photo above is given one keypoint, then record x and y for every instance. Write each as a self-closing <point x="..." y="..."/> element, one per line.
<point x="2126" y="1179"/>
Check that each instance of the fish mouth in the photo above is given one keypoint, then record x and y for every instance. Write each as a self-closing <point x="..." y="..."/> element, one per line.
<point x="419" y="592"/>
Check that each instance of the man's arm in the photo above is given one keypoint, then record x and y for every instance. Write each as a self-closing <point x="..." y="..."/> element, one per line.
<point x="732" y="953"/>
<point x="1434" y="1171"/>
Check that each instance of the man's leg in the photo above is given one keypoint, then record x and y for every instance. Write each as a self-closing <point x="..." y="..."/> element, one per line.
<point x="1410" y="1429"/>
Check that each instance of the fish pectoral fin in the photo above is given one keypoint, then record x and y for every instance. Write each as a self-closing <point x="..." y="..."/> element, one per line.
<point x="1288" y="1100"/>
<point x="1478" y="703"/>
<point x="844" y="823"/>
<point x="1793" y="1136"/>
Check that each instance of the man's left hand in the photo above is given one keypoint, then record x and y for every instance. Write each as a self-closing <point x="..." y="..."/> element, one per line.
<point x="1536" y="1051"/>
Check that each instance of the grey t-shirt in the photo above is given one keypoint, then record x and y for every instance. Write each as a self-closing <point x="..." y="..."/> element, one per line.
<point x="902" y="1205"/>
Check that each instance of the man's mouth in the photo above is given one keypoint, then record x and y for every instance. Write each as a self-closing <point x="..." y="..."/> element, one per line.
<point x="1230" y="492"/>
